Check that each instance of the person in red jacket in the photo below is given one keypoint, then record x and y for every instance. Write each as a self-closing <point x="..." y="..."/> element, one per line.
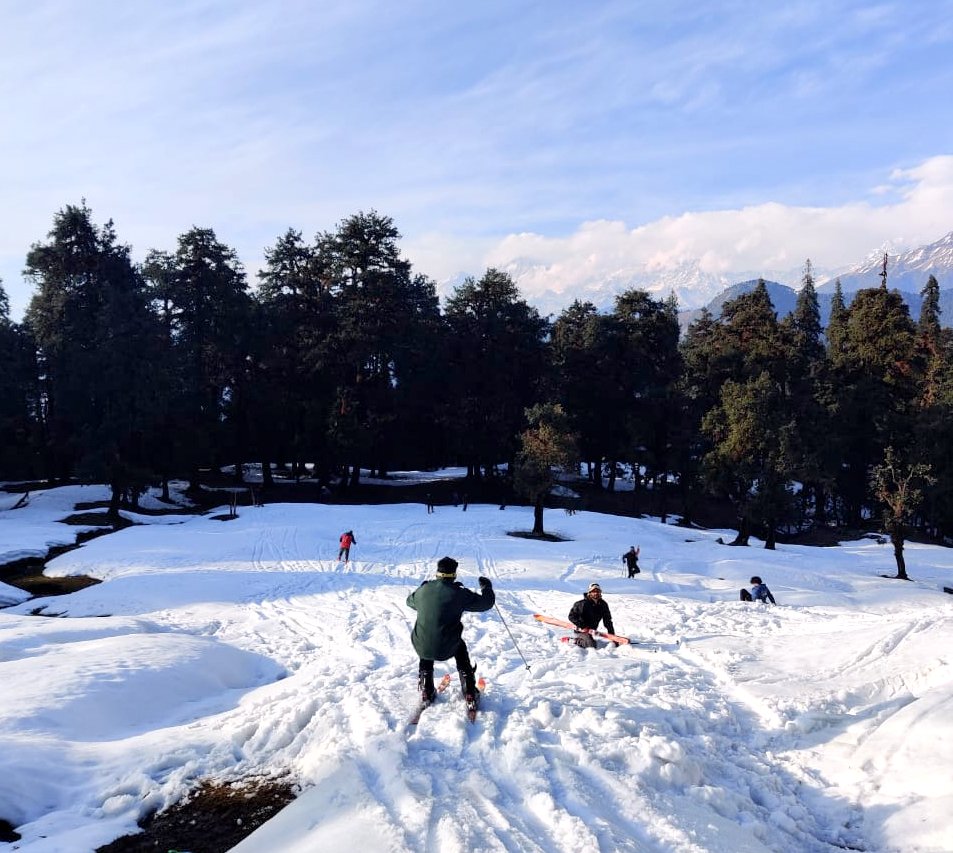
<point x="347" y="540"/>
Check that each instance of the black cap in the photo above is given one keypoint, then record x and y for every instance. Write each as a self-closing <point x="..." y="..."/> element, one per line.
<point x="447" y="567"/>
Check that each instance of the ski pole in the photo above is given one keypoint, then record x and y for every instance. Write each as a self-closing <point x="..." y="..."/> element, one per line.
<point x="508" y="631"/>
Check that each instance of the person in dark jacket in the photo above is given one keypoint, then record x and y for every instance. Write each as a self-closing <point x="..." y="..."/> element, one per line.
<point x="631" y="560"/>
<point x="759" y="592"/>
<point x="438" y="631"/>
<point x="587" y="613"/>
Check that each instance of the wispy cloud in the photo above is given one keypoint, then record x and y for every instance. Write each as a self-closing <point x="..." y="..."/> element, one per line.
<point x="469" y="124"/>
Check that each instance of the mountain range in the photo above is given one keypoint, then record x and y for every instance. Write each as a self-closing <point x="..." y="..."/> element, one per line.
<point x="907" y="272"/>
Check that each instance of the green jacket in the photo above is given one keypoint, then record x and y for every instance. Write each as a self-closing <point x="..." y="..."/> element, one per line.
<point x="440" y="604"/>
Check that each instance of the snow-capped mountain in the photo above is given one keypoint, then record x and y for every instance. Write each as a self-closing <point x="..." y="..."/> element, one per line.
<point x="695" y="287"/>
<point x="692" y="285"/>
<point x="906" y="271"/>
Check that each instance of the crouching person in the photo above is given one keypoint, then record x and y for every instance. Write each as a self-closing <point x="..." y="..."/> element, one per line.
<point x="759" y="592"/>
<point x="587" y="613"/>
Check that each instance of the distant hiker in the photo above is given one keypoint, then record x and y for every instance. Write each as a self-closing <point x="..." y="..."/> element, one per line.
<point x="759" y="592"/>
<point x="587" y="613"/>
<point x="429" y="503"/>
<point x="438" y="631"/>
<point x="347" y="540"/>
<point x="631" y="560"/>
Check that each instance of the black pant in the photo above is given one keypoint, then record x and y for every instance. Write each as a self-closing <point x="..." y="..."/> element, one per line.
<point x="461" y="656"/>
<point x="746" y="596"/>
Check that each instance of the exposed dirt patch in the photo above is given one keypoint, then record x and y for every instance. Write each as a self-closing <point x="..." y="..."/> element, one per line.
<point x="39" y="585"/>
<point x="214" y="818"/>
<point x="7" y="833"/>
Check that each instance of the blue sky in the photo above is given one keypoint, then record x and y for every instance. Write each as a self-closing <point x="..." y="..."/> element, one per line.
<point x="581" y="138"/>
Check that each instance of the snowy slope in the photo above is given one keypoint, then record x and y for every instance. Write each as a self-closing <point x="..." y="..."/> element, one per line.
<point x="223" y="649"/>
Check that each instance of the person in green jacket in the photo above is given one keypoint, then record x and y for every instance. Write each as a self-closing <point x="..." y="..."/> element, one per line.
<point x="438" y="631"/>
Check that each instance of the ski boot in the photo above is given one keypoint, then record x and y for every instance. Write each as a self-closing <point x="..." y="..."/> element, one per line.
<point x="425" y="686"/>
<point x="468" y="687"/>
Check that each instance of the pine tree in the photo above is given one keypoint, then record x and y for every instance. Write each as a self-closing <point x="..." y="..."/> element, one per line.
<point x="806" y="383"/>
<point x="584" y="384"/>
<point x="209" y="313"/>
<point x="648" y="364"/>
<point x="18" y="398"/>
<point x="497" y="363"/>
<point x="293" y="385"/>
<point x="382" y="311"/>
<point x="96" y="338"/>
<point x="875" y="383"/>
<point x="749" y="461"/>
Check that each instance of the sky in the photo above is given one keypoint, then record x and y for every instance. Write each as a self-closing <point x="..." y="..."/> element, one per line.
<point x="573" y="140"/>
<point x="226" y="650"/>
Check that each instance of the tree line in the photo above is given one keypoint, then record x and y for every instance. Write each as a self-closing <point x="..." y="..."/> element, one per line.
<point x="342" y="359"/>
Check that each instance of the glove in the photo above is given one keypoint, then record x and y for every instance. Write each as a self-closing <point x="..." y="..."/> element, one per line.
<point x="485" y="583"/>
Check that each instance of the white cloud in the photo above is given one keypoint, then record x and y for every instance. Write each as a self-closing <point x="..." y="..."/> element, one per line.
<point x="762" y="238"/>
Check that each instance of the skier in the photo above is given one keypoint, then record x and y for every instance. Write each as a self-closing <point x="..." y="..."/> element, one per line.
<point x="759" y="592"/>
<point x="347" y="540"/>
<point x="631" y="560"/>
<point x="586" y="614"/>
<point x="438" y="631"/>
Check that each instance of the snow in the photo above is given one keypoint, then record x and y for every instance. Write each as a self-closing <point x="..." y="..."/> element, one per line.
<point x="226" y="649"/>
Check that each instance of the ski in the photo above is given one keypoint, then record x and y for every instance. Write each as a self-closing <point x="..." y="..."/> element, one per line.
<point x="473" y="705"/>
<point x="423" y="705"/>
<point x="565" y="623"/>
<point x="635" y="644"/>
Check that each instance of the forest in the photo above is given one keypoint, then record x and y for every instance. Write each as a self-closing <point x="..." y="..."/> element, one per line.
<point x="341" y="358"/>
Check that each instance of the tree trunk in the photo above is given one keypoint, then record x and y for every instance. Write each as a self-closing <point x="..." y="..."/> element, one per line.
<point x="538" y="516"/>
<point x="661" y="490"/>
<point x="896" y="537"/>
<point x="266" y="478"/>
<point x="166" y="498"/>
<point x="115" y="499"/>
<point x="769" y="538"/>
<point x="744" y="532"/>
<point x="820" y="506"/>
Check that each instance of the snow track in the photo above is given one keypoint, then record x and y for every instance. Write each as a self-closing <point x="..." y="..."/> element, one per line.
<point x="735" y="740"/>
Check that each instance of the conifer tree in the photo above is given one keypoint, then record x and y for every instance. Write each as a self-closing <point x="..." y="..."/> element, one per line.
<point x="647" y="363"/>
<point x="749" y="459"/>
<point x="382" y="312"/>
<point x="581" y="356"/>
<point x="875" y="384"/>
<point x="18" y="398"/>
<point x="806" y="382"/>
<point x="294" y="387"/>
<point x="209" y="313"/>
<point x="497" y="361"/>
<point x="96" y="338"/>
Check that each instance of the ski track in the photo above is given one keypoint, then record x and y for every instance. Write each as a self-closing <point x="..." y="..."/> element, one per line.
<point x="585" y="751"/>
